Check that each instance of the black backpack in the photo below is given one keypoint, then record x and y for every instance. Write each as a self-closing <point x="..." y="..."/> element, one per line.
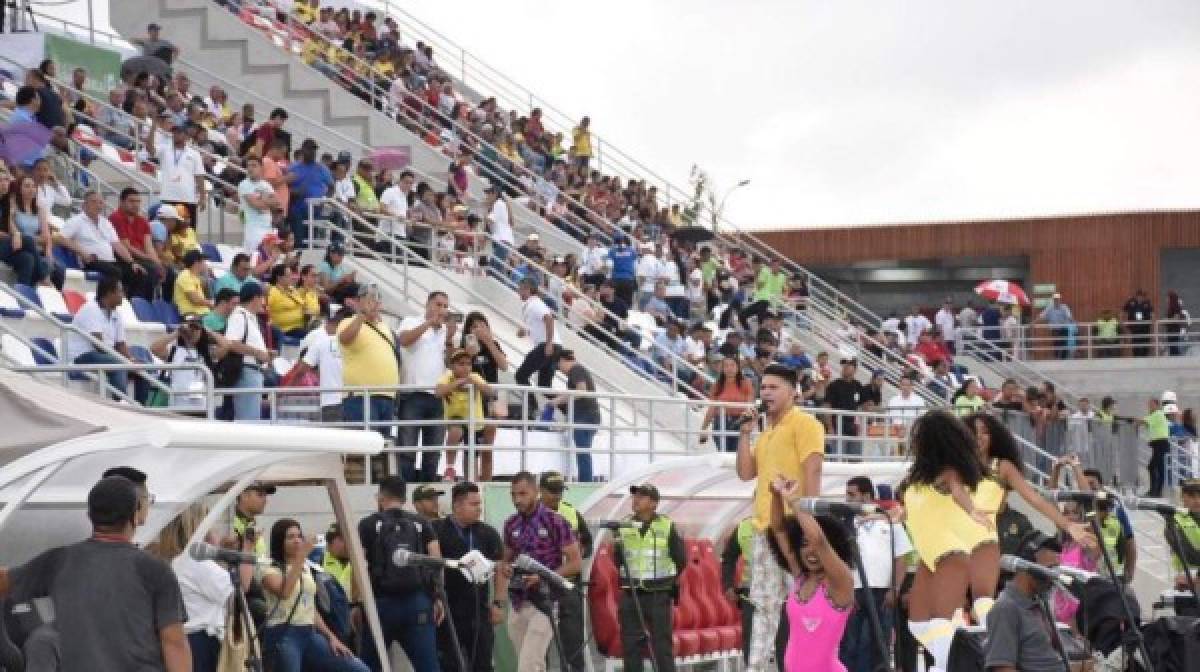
<point x="395" y="530"/>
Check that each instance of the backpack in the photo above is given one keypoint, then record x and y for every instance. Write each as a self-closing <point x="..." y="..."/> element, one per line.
<point x="395" y="530"/>
<point x="333" y="605"/>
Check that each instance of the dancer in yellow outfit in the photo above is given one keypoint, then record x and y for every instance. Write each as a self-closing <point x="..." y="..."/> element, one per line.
<point x="944" y="526"/>
<point x="998" y="450"/>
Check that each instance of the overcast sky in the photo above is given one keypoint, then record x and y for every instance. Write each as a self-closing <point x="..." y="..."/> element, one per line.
<point x="856" y="112"/>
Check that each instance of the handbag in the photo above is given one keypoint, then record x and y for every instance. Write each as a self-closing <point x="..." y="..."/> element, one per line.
<point x="235" y="647"/>
<point x="271" y="657"/>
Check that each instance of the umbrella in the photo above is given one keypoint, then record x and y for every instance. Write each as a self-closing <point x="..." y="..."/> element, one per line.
<point x="692" y="234"/>
<point x="148" y="64"/>
<point x="23" y="141"/>
<point x="1002" y="291"/>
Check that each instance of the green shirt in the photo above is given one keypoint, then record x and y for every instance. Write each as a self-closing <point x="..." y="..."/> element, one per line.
<point x="1157" y="426"/>
<point x="230" y="281"/>
<point x="364" y="194"/>
<point x="214" y="321"/>
<point x="1107" y="329"/>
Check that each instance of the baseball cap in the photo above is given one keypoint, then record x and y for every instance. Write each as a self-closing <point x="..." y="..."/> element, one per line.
<point x="264" y="488"/>
<point x="1034" y="541"/>
<point x="152" y="27"/>
<point x="552" y="481"/>
<point x="112" y="500"/>
<point x="336" y="248"/>
<point x="167" y="211"/>
<point x="1191" y="486"/>
<point x="459" y="354"/>
<point x="192" y="256"/>
<point x="425" y="492"/>
<point x="849" y="360"/>
<point x="646" y="489"/>
<point x="249" y="292"/>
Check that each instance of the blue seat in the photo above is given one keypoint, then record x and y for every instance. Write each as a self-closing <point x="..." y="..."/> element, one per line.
<point x="211" y="252"/>
<point x="290" y="341"/>
<point x="140" y="354"/>
<point x="144" y="310"/>
<point x="66" y="257"/>
<point x="168" y="314"/>
<point x="29" y="294"/>
<point x="44" y="344"/>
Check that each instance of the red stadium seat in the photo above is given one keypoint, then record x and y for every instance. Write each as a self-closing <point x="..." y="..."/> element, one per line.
<point x="602" y="602"/>
<point x="74" y="300"/>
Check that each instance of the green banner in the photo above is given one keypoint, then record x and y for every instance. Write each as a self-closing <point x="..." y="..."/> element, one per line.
<point x="103" y="65"/>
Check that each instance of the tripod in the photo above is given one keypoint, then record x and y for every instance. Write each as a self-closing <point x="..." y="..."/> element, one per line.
<point x="1138" y="640"/>
<point x="439" y="587"/>
<point x="253" y="662"/>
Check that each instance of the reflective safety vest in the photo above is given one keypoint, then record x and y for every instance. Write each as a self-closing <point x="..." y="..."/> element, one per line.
<point x="1190" y="532"/>
<point x="1111" y="536"/>
<point x="745" y="542"/>
<point x="342" y="571"/>
<point x="570" y="514"/>
<point x="648" y="555"/>
<point x="240" y="525"/>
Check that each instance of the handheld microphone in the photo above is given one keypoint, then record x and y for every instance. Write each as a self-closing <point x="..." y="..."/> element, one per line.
<point x="615" y="524"/>
<point x="406" y="558"/>
<point x="1080" y="496"/>
<point x="1011" y="563"/>
<point x="526" y="564"/>
<point x="202" y="551"/>
<point x="815" y="506"/>
<point x="1155" y="505"/>
<point x="1080" y="575"/>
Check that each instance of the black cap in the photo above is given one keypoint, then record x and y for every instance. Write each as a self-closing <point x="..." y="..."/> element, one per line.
<point x="153" y="27"/>
<point x="1034" y="541"/>
<point x="336" y="248"/>
<point x="646" y="489"/>
<point x="552" y="481"/>
<point x="1191" y="486"/>
<point x="264" y="488"/>
<point x="113" y="500"/>
<point x="425" y="492"/>
<point x="250" y="291"/>
<point x="849" y="360"/>
<point x="192" y="256"/>
<point x="225" y="294"/>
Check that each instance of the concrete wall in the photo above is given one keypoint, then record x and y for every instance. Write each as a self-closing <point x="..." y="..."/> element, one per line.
<point x="1130" y="381"/>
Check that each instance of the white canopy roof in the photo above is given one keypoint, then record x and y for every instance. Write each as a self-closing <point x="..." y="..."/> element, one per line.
<point x="54" y="444"/>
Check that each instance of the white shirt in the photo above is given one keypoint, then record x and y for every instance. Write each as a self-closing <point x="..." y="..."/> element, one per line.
<point x="343" y="190"/>
<point x="425" y="358"/>
<point x="177" y="171"/>
<point x="257" y="222"/>
<point x="324" y="354"/>
<point x="890" y="324"/>
<point x="968" y="320"/>
<point x="945" y="323"/>
<point x="92" y="236"/>
<point x="533" y="314"/>
<point x="695" y="286"/>
<point x="595" y="259"/>
<point x="243" y="327"/>
<point x="92" y="319"/>
<point x="901" y="409"/>
<point x="395" y="203"/>
<point x="53" y="194"/>
<point x="879" y="550"/>
<point x="501" y="228"/>
<point x="1010" y="328"/>
<point x="647" y="271"/>
<point x="205" y="588"/>
<point x="182" y="380"/>
<point x="694" y="348"/>
<point x="916" y="325"/>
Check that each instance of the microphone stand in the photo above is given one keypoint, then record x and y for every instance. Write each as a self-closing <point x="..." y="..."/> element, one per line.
<point x="619" y="553"/>
<point x="1054" y="636"/>
<point x="1176" y="546"/>
<point x="439" y="587"/>
<point x="1138" y="639"/>
<point x="253" y="662"/>
<point x="869" y="599"/>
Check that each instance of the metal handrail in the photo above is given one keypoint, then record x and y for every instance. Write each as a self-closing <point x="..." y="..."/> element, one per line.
<point x="1156" y="336"/>
<point x="145" y="371"/>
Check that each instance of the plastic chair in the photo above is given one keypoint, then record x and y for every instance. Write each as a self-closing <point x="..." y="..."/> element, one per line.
<point x="74" y="300"/>
<point x="140" y="354"/>
<point x="66" y="257"/>
<point x="54" y="303"/>
<point x="9" y="307"/>
<point x="144" y="310"/>
<point x="29" y="294"/>
<point x="211" y="252"/>
<point x="44" y="344"/>
<point x="168" y="314"/>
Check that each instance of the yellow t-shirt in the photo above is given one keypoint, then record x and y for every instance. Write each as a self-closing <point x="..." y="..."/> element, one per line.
<point x="455" y="403"/>
<point x="581" y="142"/>
<point x="384" y="69"/>
<point x="781" y="451"/>
<point x="178" y="244"/>
<point x="286" y="308"/>
<point x="370" y="359"/>
<point x="186" y="282"/>
<point x="305" y="12"/>
<point x="312" y="50"/>
<point x="306" y="609"/>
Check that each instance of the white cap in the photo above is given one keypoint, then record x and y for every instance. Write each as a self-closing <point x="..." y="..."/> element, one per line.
<point x="1169" y="397"/>
<point x="167" y="211"/>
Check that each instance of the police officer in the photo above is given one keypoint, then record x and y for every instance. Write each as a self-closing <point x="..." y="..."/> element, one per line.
<point x="650" y="556"/>
<point x="1188" y="540"/>
<point x="739" y="547"/>
<point x="570" y="606"/>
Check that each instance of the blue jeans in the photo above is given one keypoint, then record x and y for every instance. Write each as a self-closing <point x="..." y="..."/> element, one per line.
<point x="300" y="648"/>
<point x="206" y="651"/>
<point x="583" y="442"/>
<point x="859" y="652"/>
<point x="248" y="406"/>
<point x="383" y="409"/>
<point x="117" y="379"/>
<point x="421" y="406"/>
<point x="24" y="262"/>
<point x="406" y="619"/>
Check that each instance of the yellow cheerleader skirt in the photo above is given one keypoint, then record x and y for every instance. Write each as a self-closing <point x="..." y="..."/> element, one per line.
<point x="938" y="526"/>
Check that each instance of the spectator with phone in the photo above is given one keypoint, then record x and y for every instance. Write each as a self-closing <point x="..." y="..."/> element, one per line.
<point x="462" y="392"/>
<point x="369" y="359"/>
<point x="191" y="343"/>
<point x="423" y="341"/>
<point x="246" y="339"/>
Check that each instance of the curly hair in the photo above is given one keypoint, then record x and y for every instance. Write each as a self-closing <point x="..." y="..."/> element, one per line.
<point x="1001" y="443"/>
<point x="835" y="532"/>
<point x="940" y="441"/>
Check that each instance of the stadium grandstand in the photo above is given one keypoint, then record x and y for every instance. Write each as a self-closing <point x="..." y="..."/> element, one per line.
<point x="280" y="289"/>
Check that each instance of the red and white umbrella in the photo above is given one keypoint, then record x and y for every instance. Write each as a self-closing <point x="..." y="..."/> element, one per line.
<point x="1002" y="291"/>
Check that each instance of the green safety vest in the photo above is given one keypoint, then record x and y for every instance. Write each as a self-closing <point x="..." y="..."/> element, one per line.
<point x="240" y="525"/>
<point x="648" y="555"/>
<point x="1111" y="536"/>
<point x="964" y="405"/>
<point x="745" y="542"/>
<point x="1191" y="537"/>
<point x="342" y="571"/>
<point x="570" y="514"/>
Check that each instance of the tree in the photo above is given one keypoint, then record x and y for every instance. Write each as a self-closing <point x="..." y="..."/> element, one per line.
<point x="702" y="208"/>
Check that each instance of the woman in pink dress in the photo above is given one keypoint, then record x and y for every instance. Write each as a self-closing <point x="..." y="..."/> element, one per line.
<point x="817" y="551"/>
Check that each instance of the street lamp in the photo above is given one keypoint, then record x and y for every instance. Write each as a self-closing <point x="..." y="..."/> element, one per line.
<point x="721" y="207"/>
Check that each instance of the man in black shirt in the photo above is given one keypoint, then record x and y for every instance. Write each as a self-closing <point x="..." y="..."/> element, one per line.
<point x="847" y="394"/>
<point x="132" y="619"/>
<point x="1138" y="315"/>
<point x="406" y="616"/>
<point x="50" y="114"/>
<point x="614" y="323"/>
<point x="471" y="609"/>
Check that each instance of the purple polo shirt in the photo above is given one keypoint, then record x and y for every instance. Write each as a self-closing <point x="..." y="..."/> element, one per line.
<point x="542" y="536"/>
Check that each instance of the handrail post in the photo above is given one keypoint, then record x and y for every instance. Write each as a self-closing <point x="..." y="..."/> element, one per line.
<point x="612" y="435"/>
<point x="469" y="455"/>
<point x="650" y="423"/>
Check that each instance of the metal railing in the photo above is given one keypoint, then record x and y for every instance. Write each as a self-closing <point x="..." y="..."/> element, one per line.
<point x="148" y="372"/>
<point x="1088" y="340"/>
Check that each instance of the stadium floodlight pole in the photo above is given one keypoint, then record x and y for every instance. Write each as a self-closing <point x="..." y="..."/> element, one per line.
<point x="721" y="206"/>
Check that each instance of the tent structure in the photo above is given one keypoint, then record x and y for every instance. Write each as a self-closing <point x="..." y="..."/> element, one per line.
<point x="54" y="445"/>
